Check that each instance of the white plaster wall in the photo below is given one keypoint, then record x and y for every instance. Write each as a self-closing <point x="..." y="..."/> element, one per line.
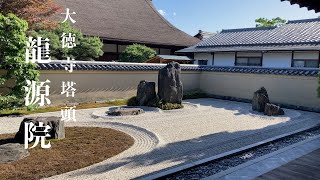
<point x="203" y="56"/>
<point x="246" y="54"/>
<point x="277" y="59"/>
<point x="306" y="55"/>
<point x="292" y="90"/>
<point x="270" y="59"/>
<point x="224" y="59"/>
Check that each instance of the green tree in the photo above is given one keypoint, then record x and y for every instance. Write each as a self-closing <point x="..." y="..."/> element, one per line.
<point x="264" y="22"/>
<point x="12" y="57"/>
<point x="137" y="53"/>
<point x="87" y="48"/>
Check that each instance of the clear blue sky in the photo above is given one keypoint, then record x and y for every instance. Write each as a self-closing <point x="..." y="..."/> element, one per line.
<point x="215" y="15"/>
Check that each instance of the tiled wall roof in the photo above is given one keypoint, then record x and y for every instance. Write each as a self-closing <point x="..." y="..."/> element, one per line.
<point x="100" y="66"/>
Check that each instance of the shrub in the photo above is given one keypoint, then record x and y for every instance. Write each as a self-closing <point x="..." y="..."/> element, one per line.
<point x="87" y="48"/>
<point x="195" y="94"/>
<point x="12" y="57"/>
<point x="9" y="102"/>
<point x="137" y="53"/>
<point x="155" y="103"/>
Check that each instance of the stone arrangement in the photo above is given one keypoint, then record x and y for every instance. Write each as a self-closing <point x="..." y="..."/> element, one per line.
<point x="146" y="93"/>
<point x="125" y="111"/>
<point x="273" y="110"/>
<point x="57" y="127"/>
<point x="12" y="152"/>
<point x="261" y="103"/>
<point x="260" y="99"/>
<point x="170" y="88"/>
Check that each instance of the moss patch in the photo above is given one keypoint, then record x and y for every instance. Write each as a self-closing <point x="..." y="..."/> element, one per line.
<point x="25" y="111"/>
<point x="82" y="147"/>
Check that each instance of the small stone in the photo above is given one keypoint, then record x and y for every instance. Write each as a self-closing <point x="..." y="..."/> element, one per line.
<point x="57" y="130"/>
<point x="146" y="93"/>
<point x="125" y="112"/>
<point x="260" y="99"/>
<point x="273" y="110"/>
<point x="12" y="152"/>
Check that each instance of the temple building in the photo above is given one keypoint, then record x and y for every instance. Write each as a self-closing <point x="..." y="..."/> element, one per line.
<point x="120" y="23"/>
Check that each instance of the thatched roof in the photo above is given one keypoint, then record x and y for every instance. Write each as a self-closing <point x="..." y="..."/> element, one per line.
<point x="310" y="4"/>
<point x="134" y="21"/>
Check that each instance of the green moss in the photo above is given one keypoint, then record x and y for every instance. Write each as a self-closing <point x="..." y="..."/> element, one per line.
<point x="156" y="102"/>
<point x="32" y="110"/>
<point x="170" y="106"/>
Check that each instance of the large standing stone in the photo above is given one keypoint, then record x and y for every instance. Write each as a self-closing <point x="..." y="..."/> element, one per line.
<point x="125" y="112"/>
<point x="170" y="88"/>
<point x="146" y="93"/>
<point x="57" y="130"/>
<point x="260" y="99"/>
<point x="273" y="110"/>
<point x="12" y="152"/>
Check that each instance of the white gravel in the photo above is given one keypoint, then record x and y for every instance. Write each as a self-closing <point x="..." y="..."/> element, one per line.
<point x="205" y="127"/>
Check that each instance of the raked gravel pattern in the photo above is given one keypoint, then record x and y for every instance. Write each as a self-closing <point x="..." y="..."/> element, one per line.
<point x="163" y="139"/>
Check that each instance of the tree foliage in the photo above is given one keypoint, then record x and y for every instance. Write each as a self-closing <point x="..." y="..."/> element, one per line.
<point x="137" y="53"/>
<point x="87" y="48"/>
<point x="264" y="22"/>
<point x="37" y="13"/>
<point x="12" y="57"/>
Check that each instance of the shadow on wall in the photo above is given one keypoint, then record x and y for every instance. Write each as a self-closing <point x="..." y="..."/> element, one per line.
<point x="199" y="148"/>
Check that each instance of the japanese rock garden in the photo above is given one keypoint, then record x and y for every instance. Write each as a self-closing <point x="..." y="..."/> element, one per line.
<point x="170" y="89"/>
<point x="261" y="103"/>
<point x="112" y="90"/>
<point x="170" y="93"/>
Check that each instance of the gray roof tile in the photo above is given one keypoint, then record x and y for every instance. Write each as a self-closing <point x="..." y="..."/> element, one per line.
<point x="299" y="34"/>
<point x="91" y="66"/>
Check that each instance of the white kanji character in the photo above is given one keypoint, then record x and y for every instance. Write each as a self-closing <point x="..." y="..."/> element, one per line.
<point x="38" y="50"/>
<point x="36" y="93"/>
<point x="34" y="132"/>
<point x="68" y="16"/>
<point x="68" y="114"/>
<point x="68" y="88"/>
<point x="68" y="41"/>
<point x="69" y="66"/>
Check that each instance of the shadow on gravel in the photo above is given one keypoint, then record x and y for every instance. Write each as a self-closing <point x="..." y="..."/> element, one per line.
<point x="7" y="141"/>
<point x="206" y="146"/>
